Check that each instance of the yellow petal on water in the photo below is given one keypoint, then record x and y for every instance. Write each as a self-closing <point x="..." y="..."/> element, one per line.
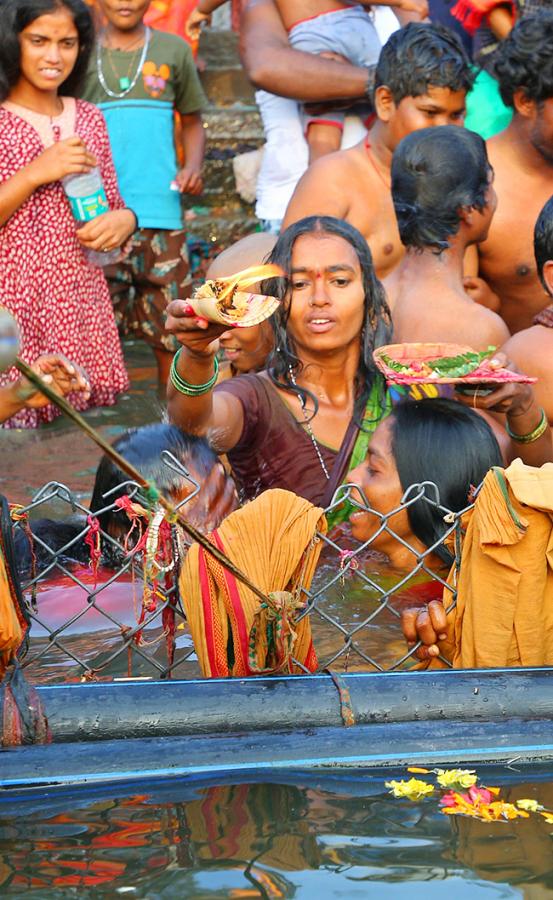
<point x="414" y="789"/>
<point x="529" y="805"/>
<point x="548" y="816"/>
<point x="464" y="778"/>
<point x="417" y="771"/>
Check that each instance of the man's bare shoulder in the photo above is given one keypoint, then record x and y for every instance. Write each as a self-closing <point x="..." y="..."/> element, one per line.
<point x="327" y="188"/>
<point x="491" y="325"/>
<point x="533" y="345"/>
<point x="342" y="164"/>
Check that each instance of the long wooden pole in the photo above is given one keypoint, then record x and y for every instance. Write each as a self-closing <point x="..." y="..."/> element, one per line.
<point x="133" y="473"/>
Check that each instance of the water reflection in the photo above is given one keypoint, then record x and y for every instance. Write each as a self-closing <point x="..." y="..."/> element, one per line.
<point x="343" y="838"/>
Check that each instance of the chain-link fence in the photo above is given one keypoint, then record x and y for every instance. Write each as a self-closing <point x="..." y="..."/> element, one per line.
<point x="88" y="624"/>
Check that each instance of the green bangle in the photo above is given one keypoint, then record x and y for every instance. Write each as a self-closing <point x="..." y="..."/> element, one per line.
<point x="191" y="390"/>
<point x="534" y="435"/>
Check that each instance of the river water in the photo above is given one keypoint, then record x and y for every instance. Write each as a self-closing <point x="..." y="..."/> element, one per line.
<point x="338" y="835"/>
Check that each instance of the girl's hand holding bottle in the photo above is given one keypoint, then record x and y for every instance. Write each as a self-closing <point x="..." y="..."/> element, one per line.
<point x="108" y="231"/>
<point x="67" y="157"/>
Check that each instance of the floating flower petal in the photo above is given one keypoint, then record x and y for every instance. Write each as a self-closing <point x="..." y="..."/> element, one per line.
<point x="414" y="789"/>
<point x="459" y="778"/>
<point x="529" y="805"/>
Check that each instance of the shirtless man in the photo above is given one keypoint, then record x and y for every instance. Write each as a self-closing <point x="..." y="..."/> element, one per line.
<point x="532" y="349"/>
<point x="444" y="201"/>
<point x="421" y="80"/>
<point x="522" y="159"/>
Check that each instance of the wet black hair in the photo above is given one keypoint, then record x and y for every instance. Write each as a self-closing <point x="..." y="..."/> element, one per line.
<point x="420" y="56"/>
<point x="142" y="447"/>
<point x="525" y="59"/>
<point x="543" y="239"/>
<point x="16" y="15"/>
<point x="376" y="330"/>
<point x="436" y="172"/>
<point x="449" y="444"/>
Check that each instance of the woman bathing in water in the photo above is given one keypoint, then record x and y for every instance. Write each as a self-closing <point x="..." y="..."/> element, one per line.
<point x="306" y="420"/>
<point x="434" y="440"/>
<point x="143" y="447"/>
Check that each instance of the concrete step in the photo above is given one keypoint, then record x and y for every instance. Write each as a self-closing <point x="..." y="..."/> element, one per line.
<point x="233" y="126"/>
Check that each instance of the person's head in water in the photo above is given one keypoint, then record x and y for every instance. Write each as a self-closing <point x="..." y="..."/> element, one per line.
<point x="143" y="447"/>
<point x="434" y="440"/>
<point x="421" y="80"/>
<point x="543" y="246"/>
<point x="442" y="182"/>
<point x="45" y="43"/>
<point x="524" y="69"/>
<point x="332" y="299"/>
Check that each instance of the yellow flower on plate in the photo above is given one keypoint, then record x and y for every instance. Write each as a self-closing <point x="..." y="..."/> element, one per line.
<point x="456" y="778"/>
<point x="414" y="789"/>
<point x="529" y="805"/>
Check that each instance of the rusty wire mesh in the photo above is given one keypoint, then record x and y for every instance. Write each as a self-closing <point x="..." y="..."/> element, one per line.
<point x="82" y="629"/>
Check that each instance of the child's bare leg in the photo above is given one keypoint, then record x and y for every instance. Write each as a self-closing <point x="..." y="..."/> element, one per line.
<point x="322" y="139"/>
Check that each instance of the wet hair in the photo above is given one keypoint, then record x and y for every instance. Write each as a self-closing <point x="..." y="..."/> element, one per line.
<point x="543" y="239"/>
<point x="16" y="15"/>
<point x="449" y="444"/>
<point x="143" y="448"/>
<point x="436" y="172"/>
<point x="420" y="56"/>
<point x="376" y="330"/>
<point x="525" y="61"/>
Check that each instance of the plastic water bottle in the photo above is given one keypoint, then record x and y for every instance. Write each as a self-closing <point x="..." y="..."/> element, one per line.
<point x="87" y="199"/>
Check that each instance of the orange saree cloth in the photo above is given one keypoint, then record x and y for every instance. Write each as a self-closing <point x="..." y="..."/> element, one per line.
<point x="504" y="613"/>
<point x="273" y="541"/>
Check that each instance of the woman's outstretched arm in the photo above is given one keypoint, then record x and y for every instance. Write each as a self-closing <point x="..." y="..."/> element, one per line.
<point x="218" y="417"/>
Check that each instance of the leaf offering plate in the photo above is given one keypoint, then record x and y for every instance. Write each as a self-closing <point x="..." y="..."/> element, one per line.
<point x="443" y="363"/>
<point x="226" y="301"/>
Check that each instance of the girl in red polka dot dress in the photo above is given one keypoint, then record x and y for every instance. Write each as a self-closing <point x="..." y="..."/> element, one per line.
<point x="60" y="300"/>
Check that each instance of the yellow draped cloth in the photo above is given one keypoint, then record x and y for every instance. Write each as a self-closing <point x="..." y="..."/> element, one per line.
<point x="504" y="612"/>
<point x="273" y="541"/>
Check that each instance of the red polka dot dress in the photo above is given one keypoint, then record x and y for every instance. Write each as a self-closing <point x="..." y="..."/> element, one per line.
<point x="60" y="301"/>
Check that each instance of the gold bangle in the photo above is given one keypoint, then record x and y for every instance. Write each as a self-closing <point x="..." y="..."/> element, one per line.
<point x="534" y="435"/>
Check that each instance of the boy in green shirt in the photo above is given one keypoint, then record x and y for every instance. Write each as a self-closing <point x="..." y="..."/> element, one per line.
<point x="140" y="78"/>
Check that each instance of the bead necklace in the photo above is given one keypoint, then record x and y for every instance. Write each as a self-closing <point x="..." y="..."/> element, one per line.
<point x="308" y="427"/>
<point x="124" y="82"/>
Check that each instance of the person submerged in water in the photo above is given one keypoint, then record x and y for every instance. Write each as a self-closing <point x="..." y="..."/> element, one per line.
<point x="143" y="447"/>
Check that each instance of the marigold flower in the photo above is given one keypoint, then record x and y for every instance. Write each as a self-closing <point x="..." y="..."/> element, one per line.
<point x="548" y="816"/>
<point x="414" y="789"/>
<point x="529" y="805"/>
<point x="460" y="778"/>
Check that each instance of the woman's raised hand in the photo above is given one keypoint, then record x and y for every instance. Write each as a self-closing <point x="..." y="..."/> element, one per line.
<point x="67" y="157"/>
<point x="200" y="337"/>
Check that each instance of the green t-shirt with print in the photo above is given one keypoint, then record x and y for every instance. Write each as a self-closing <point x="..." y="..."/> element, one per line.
<point x="141" y="123"/>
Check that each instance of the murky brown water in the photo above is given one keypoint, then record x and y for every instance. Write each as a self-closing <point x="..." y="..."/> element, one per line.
<point x="60" y="452"/>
